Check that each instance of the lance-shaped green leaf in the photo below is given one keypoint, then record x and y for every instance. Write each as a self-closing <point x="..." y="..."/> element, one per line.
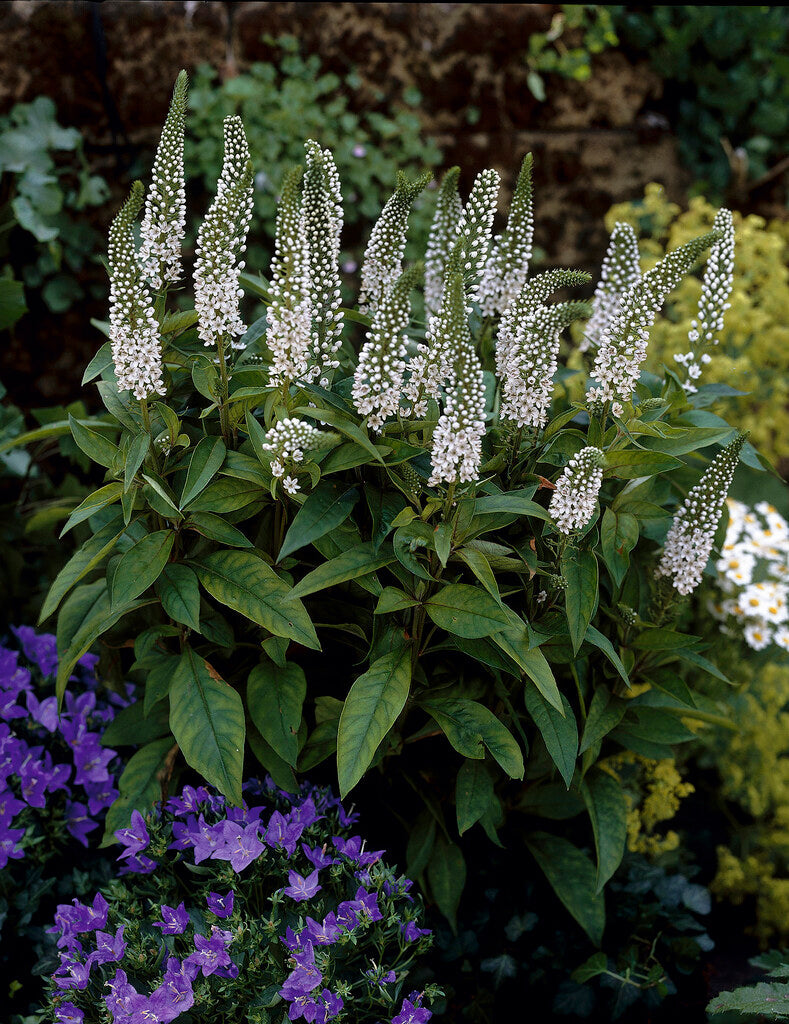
<point x="99" y="363"/>
<point x="217" y="528"/>
<point x="370" y="710"/>
<point x="86" y="615"/>
<point x="326" y="508"/>
<point x="179" y="593"/>
<point x="466" y="611"/>
<point x="605" y="713"/>
<point x="275" y="697"/>
<point x="99" y="449"/>
<point x="559" y="732"/>
<point x="206" y="460"/>
<point x="207" y="720"/>
<point x="279" y="770"/>
<point x="135" y="456"/>
<point x="348" y="565"/>
<point x="242" y="581"/>
<point x="618" y="537"/>
<point x="579" y="568"/>
<point x="141" y="566"/>
<point x="605" y="803"/>
<point x="470" y="726"/>
<point x="92" y="504"/>
<point x="473" y="793"/>
<point x="446" y="872"/>
<point x="573" y="878"/>
<point x="140" y="786"/>
<point x="514" y="641"/>
<point x="80" y="564"/>
<point x="599" y="640"/>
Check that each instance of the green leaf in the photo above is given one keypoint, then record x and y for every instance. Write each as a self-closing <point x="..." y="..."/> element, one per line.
<point x="384" y="507"/>
<point x="349" y="565"/>
<point x="135" y="457"/>
<point x="92" y="504"/>
<point x="371" y="708"/>
<point x="279" y="770"/>
<point x="663" y="640"/>
<point x="141" y="566"/>
<point x="80" y="564"/>
<point x="206" y="461"/>
<point x="466" y="611"/>
<point x="446" y="872"/>
<point x="514" y="641"/>
<point x="326" y="508"/>
<point x="573" y="878"/>
<point x="618" y="537"/>
<point x="605" y="802"/>
<point x="12" y="302"/>
<point x="140" y="786"/>
<point x="605" y="713"/>
<point x="596" y="964"/>
<point x="393" y="599"/>
<point x="473" y="793"/>
<point x="157" y="494"/>
<point x="597" y="639"/>
<point x="517" y="502"/>
<point x="275" y="697"/>
<point x="205" y="378"/>
<point x="334" y="418"/>
<point x="207" y="720"/>
<point x="218" y="529"/>
<point x="579" y="568"/>
<point x="469" y="725"/>
<point x="226" y="495"/>
<point x="86" y="615"/>
<point x="407" y="541"/>
<point x="480" y="566"/>
<point x="245" y="583"/>
<point x="131" y="726"/>
<point x="631" y="465"/>
<point x="179" y="593"/>
<point x="96" y="447"/>
<point x="559" y="732"/>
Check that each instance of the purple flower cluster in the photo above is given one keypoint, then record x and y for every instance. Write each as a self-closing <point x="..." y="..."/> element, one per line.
<point x="328" y="900"/>
<point x="34" y="739"/>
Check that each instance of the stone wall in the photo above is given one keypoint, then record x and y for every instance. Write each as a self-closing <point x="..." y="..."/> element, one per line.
<point x="110" y="67"/>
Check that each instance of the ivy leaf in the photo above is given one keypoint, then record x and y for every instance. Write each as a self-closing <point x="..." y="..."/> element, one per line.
<point x="326" y="508"/>
<point x="370" y="710"/>
<point x="207" y="720"/>
<point x="275" y="697"/>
